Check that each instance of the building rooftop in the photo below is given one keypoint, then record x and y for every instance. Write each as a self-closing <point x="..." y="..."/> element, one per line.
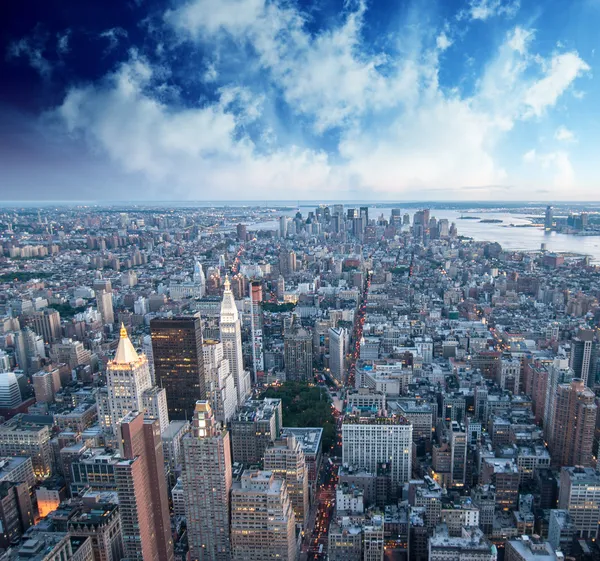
<point x="309" y="438"/>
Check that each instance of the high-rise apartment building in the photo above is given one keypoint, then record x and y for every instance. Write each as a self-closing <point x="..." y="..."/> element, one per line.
<point x="179" y="363"/>
<point x="574" y="425"/>
<point x="142" y="490"/>
<point x="220" y="387"/>
<point x="286" y="460"/>
<point x="45" y="384"/>
<point x="262" y="518"/>
<point x="127" y="378"/>
<point x="231" y="337"/>
<point x="370" y="441"/>
<point x="298" y="353"/>
<point x="207" y="484"/>
<point x="580" y="496"/>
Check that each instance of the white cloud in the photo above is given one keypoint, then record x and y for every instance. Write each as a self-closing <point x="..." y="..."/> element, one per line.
<point x="564" y="68"/>
<point x="396" y="129"/>
<point x="114" y="35"/>
<point x="197" y="151"/>
<point x="555" y="166"/>
<point x="31" y="49"/>
<point x="520" y="39"/>
<point x="563" y="134"/>
<point x="443" y="41"/>
<point x="62" y="42"/>
<point x="485" y="9"/>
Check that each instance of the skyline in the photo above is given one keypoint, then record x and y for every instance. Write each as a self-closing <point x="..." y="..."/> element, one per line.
<point x="488" y="99"/>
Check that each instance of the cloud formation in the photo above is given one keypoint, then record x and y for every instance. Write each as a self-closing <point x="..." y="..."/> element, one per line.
<point x="319" y="112"/>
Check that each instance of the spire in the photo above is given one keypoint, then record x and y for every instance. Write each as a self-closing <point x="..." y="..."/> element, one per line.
<point x="126" y="354"/>
<point x="229" y="313"/>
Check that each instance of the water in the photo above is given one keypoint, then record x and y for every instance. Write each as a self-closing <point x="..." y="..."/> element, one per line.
<point x="509" y="237"/>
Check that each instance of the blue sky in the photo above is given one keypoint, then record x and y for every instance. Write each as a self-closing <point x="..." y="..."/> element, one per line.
<point x="283" y="99"/>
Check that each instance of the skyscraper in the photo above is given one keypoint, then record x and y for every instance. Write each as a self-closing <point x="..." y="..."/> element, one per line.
<point x="231" y="337"/>
<point x="220" y="387"/>
<point x="262" y="518"/>
<point x="46" y="323"/>
<point x="127" y="378"/>
<point x="242" y="232"/>
<point x="286" y="460"/>
<point x="574" y="424"/>
<point x="142" y="490"/>
<point x="179" y="363"/>
<point x="367" y="442"/>
<point x="337" y="353"/>
<point x="298" y="353"/>
<point x="257" y="329"/>
<point x="580" y="495"/>
<point x="207" y="485"/>
<point x="458" y="443"/>
<point x="104" y="302"/>
<point x="583" y="354"/>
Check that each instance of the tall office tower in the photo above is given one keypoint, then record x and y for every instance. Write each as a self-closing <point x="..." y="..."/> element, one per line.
<point x="207" y="485"/>
<point x="242" y="232"/>
<point x="142" y="490"/>
<point x="199" y="278"/>
<point x="369" y="441"/>
<point x="127" y="378"/>
<point x="574" y="424"/>
<point x="580" y="495"/>
<point x="283" y="226"/>
<point x="287" y="262"/>
<point x="30" y="350"/>
<point x="286" y="460"/>
<point x="220" y="388"/>
<point x="47" y="324"/>
<point x="254" y="428"/>
<point x="147" y="350"/>
<point x="351" y="213"/>
<point x="549" y="218"/>
<point x="10" y="391"/>
<point x="458" y="445"/>
<point x="231" y="337"/>
<point x="104" y="302"/>
<point x="583" y="355"/>
<point x="364" y="214"/>
<point x="558" y="373"/>
<point x="262" y="518"/>
<point x="337" y="353"/>
<point x="298" y="353"/>
<point x="154" y="403"/>
<point x="178" y="363"/>
<point x="256" y="321"/>
<point x="280" y="288"/>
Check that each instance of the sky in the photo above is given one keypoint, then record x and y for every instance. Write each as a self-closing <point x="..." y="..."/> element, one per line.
<point x="299" y="100"/>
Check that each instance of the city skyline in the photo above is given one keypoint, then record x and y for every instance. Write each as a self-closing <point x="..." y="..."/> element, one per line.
<point x="481" y="99"/>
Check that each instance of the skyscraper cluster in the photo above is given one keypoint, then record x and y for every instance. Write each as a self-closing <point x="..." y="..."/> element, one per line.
<point x="339" y="383"/>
